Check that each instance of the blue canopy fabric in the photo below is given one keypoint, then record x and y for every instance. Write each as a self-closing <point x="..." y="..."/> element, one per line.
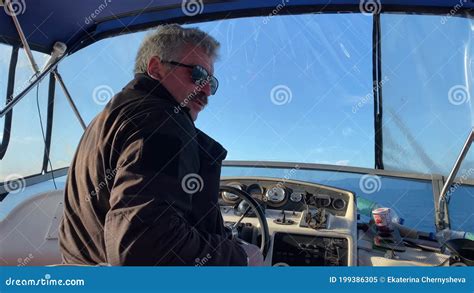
<point x="80" y="23"/>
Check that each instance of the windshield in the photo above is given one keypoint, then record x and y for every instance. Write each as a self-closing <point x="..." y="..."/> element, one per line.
<point x="410" y="199"/>
<point x="427" y="107"/>
<point x="299" y="88"/>
<point x="294" y="88"/>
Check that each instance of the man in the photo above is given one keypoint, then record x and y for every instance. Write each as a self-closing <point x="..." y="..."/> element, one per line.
<point x="142" y="188"/>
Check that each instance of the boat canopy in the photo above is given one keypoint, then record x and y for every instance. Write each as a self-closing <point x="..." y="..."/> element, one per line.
<point x="81" y="23"/>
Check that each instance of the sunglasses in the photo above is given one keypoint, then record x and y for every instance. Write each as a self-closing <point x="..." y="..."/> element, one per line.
<point x="199" y="75"/>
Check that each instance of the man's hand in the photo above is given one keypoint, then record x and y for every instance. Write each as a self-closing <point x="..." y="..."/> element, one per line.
<point x="255" y="257"/>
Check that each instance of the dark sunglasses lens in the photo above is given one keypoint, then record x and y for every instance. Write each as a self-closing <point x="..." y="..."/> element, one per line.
<point x="201" y="76"/>
<point x="214" y="85"/>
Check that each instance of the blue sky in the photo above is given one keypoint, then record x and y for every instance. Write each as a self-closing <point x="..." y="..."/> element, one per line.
<point x="292" y="88"/>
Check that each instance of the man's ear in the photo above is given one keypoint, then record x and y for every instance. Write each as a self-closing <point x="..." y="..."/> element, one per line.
<point x="156" y="68"/>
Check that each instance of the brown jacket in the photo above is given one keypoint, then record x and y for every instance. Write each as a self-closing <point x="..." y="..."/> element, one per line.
<point x="142" y="187"/>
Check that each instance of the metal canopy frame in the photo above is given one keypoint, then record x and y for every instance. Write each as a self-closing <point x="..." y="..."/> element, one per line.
<point x="40" y="75"/>
<point x="444" y="194"/>
<point x="11" y="101"/>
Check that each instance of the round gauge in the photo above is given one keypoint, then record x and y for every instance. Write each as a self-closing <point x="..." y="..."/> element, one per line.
<point x="339" y="204"/>
<point x="255" y="190"/>
<point x="275" y="195"/>
<point x="296" y="196"/>
<point x="230" y="197"/>
<point x="323" y="200"/>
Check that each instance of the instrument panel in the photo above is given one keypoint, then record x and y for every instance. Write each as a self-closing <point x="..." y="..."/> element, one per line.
<point x="309" y="224"/>
<point x="288" y="195"/>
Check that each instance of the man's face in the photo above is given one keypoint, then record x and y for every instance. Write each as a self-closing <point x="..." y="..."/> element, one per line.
<point x="177" y="79"/>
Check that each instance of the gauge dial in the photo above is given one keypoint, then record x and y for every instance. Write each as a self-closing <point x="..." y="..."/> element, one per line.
<point x="339" y="204"/>
<point x="230" y="197"/>
<point x="255" y="190"/>
<point x="296" y="196"/>
<point x="275" y="195"/>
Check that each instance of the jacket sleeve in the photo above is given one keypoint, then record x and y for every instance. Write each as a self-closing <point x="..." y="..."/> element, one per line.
<point x="146" y="223"/>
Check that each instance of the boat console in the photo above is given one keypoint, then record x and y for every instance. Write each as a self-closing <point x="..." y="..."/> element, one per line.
<point x="309" y="224"/>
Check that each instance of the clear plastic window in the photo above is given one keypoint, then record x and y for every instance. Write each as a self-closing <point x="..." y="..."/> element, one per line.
<point x="25" y="151"/>
<point x="427" y="107"/>
<point x="292" y="88"/>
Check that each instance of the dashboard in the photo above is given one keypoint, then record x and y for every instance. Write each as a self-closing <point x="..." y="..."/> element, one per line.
<point x="309" y="224"/>
<point x="290" y="196"/>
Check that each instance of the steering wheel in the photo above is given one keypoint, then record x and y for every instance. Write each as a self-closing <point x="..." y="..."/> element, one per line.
<point x="253" y="204"/>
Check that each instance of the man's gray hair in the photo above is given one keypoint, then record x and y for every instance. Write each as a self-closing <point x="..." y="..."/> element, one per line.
<point x="168" y="42"/>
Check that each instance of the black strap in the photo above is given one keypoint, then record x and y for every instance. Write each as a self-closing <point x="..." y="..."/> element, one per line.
<point x="377" y="90"/>
<point x="9" y="115"/>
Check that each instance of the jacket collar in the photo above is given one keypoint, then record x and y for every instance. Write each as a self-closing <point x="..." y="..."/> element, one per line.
<point x="143" y="82"/>
<point x="211" y="149"/>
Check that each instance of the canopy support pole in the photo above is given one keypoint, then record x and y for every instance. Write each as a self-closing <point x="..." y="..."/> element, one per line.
<point x="69" y="98"/>
<point x="444" y="198"/>
<point x="34" y="66"/>
<point x="38" y="73"/>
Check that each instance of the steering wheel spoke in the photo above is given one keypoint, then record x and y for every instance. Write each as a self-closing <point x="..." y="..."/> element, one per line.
<point x="253" y="205"/>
